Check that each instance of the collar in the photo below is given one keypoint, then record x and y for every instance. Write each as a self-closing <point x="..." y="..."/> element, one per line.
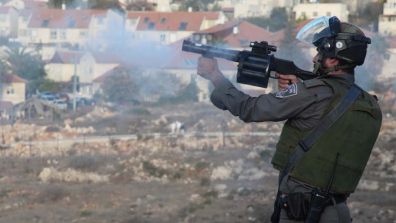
<point x="345" y="79"/>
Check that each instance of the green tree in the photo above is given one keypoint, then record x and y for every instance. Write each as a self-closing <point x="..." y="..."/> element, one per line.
<point x="120" y="86"/>
<point x="368" y="16"/>
<point x="195" y="5"/>
<point x="275" y="22"/>
<point x="216" y="7"/>
<point x="140" y="6"/>
<point x="50" y="85"/>
<point x="190" y="92"/>
<point x="57" y="4"/>
<point x="105" y="4"/>
<point x="27" y="65"/>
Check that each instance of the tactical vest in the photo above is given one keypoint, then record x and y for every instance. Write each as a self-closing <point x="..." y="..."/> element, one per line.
<point x="353" y="136"/>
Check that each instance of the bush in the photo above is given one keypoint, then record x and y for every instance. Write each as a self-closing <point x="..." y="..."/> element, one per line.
<point x="138" y="111"/>
<point x="52" y="129"/>
<point x="153" y="170"/>
<point x="84" y="162"/>
<point x="201" y="166"/>
<point x="265" y="154"/>
<point x="85" y="213"/>
<point x="52" y="193"/>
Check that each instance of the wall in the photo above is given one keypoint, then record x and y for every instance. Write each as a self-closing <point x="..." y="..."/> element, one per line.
<point x="313" y="11"/>
<point x="13" y="92"/>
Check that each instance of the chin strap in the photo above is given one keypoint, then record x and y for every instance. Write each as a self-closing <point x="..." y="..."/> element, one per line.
<point x="320" y="71"/>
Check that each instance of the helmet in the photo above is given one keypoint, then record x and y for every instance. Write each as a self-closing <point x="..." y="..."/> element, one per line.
<point x="334" y="39"/>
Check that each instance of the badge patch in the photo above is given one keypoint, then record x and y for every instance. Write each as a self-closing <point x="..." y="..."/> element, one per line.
<point x="289" y="91"/>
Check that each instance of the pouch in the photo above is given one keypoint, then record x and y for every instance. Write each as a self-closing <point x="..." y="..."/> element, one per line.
<point x="298" y="206"/>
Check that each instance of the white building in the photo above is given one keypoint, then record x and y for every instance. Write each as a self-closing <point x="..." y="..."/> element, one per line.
<point x="316" y="10"/>
<point x="81" y="28"/>
<point x="8" y="21"/>
<point x="168" y="27"/>
<point x="387" y="21"/>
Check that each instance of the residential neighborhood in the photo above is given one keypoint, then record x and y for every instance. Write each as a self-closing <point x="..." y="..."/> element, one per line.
<point x="89" y="43"/>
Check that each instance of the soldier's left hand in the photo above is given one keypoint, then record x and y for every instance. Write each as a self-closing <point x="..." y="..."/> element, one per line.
<point x="208" y="69"/>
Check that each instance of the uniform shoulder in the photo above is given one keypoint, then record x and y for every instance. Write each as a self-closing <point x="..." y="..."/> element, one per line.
<point x="313" y="83"/>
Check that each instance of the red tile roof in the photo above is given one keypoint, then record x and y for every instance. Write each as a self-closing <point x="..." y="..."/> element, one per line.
<point x="5" y="105"/>
<point x="66" y="57"/>
<point x="247" y="33"/>
<point x="171" y="21"/>
<point x="58" y="18"/>
<point x="4" y="9"/>
<point x="25" y="12"/>
<point x="103" y="77"/>
<point x="11" y="78"/>
<point x="107" y="57"/>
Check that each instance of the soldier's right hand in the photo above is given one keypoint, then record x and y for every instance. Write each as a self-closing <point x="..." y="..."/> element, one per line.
<point x="285" y="80"/>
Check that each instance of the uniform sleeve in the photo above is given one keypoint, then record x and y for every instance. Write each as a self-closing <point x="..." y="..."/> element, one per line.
<point x="278" y="106"/>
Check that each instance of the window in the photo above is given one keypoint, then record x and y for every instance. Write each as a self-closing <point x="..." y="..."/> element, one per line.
<point x="100" y="21"/>
<point x="328" y="14"/>
<point x="151" y="26"/>
<point x="183" y="26"/>
<point x="25" y="19"/>
<point x="90" y="70"/>
<point x="45" y="23"/>
<point x="83" y="34"/>
<point x="3" y="18"/>
<point x="162" y="37"/>
<point x="145" y="20"/>
<point x="53" y="34"/>
<point x="71" y="23"/>
<point x="209" y="37"/>
<point x="163" y="20"/>
<point x="10" y="91"/>
<point x="315" y="14"/>
<point x="2" y="32"/>
<point x="197" y="37"/>
<point x="63" y="34"/>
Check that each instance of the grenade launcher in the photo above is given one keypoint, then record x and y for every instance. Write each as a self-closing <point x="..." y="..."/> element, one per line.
<point x="254" y="66"/>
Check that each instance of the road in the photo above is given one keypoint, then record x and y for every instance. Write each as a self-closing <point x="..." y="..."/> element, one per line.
<point x="92" y="139"/>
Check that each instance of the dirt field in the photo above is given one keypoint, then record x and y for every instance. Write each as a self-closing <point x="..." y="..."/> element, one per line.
<point x="171" y="180"/>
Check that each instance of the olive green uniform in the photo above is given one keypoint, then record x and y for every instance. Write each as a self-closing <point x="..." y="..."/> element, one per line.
<point x="303" y="105"/>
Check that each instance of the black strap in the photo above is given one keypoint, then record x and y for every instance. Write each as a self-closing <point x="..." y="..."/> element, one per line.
<point x="315" y="134"/>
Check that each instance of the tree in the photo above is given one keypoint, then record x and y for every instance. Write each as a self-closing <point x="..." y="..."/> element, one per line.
<point x="368" y="16"/>
<point x="140" y="6"/>
<point x="27" y="65"/>
<point x="105" y="4"/>
<point x="275" y="22"/>
<point x="120" y="87"/>
<point x="195" y="5"/>
<point x="216" y="7"/>
<point x="57" y="4"/>
<point x="50" y="85"/>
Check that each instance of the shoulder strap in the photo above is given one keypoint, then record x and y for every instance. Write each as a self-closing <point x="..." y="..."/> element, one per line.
<point x="315" y="134"/>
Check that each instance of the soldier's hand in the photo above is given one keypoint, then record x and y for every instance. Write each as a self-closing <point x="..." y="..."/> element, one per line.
<point x="208" y="69"/>
<point x="285" y="80"/>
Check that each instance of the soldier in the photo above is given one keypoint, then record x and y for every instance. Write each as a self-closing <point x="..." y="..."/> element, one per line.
<point x="341" y="47"/>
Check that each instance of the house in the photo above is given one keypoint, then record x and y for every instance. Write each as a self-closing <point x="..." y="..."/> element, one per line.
<point x="234" y="34"/>
<point x="81" y="28"/>
<point x="387" y="21"/>
<point x="316" y="10"/>
<point x="27" y="4"/>
<point x="168" y="27"/>
<point x="88" y="66"/>
<point x="388" y="70"/>
<point x="13" y="89"/>
<point x="8" y="21"/>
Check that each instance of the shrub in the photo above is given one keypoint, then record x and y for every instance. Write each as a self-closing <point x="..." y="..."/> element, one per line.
<point x="85" y="213"/>
<point x="84" y="162"/>
<point x="205" y="182"/>
<point x="138" y="111"/>
<point x="201" y="165"/>
<point x="52" y="129"/>
<point x="153" y="170"/>
<point x="52" y="193"/>
<point x="265" y="154"/>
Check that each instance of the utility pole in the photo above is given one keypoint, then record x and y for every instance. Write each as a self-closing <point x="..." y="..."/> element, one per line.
<point x="75" y="83"/>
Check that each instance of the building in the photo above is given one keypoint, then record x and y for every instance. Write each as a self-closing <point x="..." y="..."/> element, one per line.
<point x="63" y="64"/>
<point x="387" y="21"/>
<point x="8" y="21"/>
<point x="13" y="90"/>
<point x="81" y="28"/>
<point x="316" y="10"/>
<point x="168" y="27"/>
<point x="234" y="34"/>
<point x="27" y="4"/>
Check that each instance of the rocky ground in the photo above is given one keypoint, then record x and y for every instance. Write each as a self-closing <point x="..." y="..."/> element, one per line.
<point x="167" y="180"/>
